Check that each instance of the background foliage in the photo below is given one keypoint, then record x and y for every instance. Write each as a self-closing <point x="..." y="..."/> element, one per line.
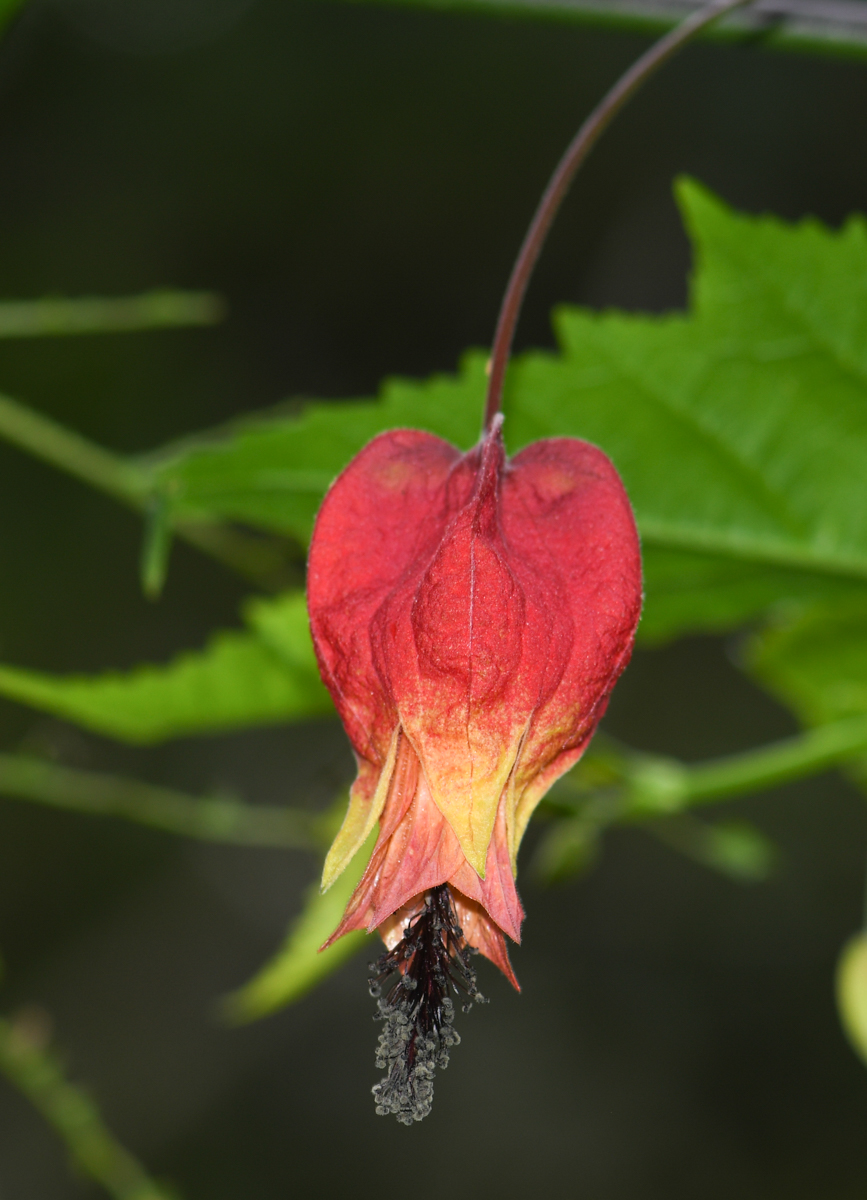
<point x="661" y="1004"/>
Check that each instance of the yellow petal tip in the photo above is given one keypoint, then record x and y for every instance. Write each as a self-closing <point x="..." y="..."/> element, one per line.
<point x="361" y="816"/>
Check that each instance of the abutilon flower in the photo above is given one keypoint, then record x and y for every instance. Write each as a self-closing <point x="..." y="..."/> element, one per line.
<point x="470" y="614"/>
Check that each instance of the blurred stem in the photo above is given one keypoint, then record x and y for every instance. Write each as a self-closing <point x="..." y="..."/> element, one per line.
<point x="807" y="754"/>
<point x="646" y="785"/>
<point x="259" y="559"/>
<point x="613" y="784"/>
<point x="30" y="1066"/>
<point x="51" y="317"/>
<point x="72" y="453"/>
<point x="215" y="819"/>
<point x="806" y="26"/>
<point x="262" y="559"/>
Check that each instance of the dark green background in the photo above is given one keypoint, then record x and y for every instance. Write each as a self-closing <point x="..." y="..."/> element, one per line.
<point x="356" y="181"/>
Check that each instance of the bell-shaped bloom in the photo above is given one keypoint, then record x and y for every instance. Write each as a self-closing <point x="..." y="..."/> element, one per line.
<point x="470" y="615"/>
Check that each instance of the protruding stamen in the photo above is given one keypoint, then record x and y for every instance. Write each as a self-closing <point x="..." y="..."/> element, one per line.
<point x="431" y="960"/>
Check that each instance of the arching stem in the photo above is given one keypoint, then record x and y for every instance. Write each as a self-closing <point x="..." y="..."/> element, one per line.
<point x="576" y="152"/>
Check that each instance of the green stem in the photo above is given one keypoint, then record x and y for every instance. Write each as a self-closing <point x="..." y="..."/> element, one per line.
<point x="807" y="754"/>
<point x="97" y="314"/>
<point x="805" y="26"/>
<point x="260" y="559"/>
<point x="72" y="453"/>
<point x="614" y="784"/>
<point x="641" y="785"/>
<point x="33" y="1070"/>
<point x="216" y="819"/>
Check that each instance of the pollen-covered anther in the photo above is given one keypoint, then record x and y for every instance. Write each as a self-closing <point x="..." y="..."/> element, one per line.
<point x="431" y="962"/>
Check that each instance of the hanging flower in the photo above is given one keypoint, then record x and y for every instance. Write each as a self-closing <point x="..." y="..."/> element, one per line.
<point x="471" y="615"/>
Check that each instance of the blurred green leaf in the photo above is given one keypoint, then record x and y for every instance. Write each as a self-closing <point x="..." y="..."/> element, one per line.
<point x="851" y="988"/>
<point x="281" y="624"/>
<point x="738" y="428"/>
<point x="239" y="679"/>
<point x="566" y="849"/>
<point x="816" y="662"/>
<point x="703" y="593"/>
<point x="734" y="848"/>
<point x="8" y="9"/>
<point x="299" y="965"/>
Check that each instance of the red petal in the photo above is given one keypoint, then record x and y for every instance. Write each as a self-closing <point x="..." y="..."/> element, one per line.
<point x="565" y="512"/>
<point x="480" y="931"/>
<point x="384" y="513"/>
<point x="487" y="608"/>
<point x="417" y="850"/>
<point x="496" y="893"/>
<point x="453" y="644"/>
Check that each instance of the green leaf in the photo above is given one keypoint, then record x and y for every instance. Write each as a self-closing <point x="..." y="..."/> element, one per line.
<point x="299" y="965"/>
<point x="738" y="428"/>
<point x="273" y="471"/>
<point x="240" y="679"/>
<point x="705" y="593"/>
<point x="816" y="662"/>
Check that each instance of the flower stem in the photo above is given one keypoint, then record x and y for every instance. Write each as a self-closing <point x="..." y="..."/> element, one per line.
<point x="212" y="818"/>
<point x="578" y="149"/>
<point x="30" y="1066"/>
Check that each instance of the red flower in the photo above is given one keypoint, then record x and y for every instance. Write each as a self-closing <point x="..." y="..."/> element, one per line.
<point x="471" y="615"/>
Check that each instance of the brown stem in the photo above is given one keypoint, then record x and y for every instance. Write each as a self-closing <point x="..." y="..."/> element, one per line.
<point x="576" y="152"/>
